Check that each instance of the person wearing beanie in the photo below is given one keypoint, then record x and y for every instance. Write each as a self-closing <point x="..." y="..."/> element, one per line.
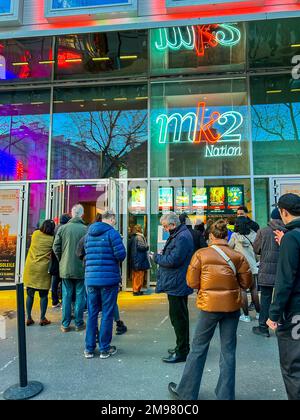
<point x="267" y="248"/>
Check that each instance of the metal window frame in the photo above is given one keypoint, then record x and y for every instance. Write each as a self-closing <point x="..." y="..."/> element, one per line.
<point x="15" y="16"/>
<point x="200" y="3"/>
<point x="92" y="12"/>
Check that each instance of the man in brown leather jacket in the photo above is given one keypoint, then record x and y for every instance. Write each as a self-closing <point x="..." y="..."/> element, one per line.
<point x="219" y="273"/>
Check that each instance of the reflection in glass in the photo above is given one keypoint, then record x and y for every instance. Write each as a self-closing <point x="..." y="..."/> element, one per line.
<point x="66" y="4"/>
<point x="24" y="133"/>
<point x="100" y="54"/>
<point x="275" y="124"/>
<point x="25" y="59"/>
<point x="199" y="129"/>
<point x="36" y="209"/>
<point x="103" y="135"/>
<point x="273" y="43"/>
<point x="199" y="48"/>
<point x="5" y="6"/>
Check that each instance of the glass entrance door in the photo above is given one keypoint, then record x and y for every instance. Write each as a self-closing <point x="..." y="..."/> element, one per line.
<point x="13" y="222"/>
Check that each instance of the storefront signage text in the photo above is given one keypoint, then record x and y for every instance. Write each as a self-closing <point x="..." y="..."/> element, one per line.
<point x="198" y="37"/>
<point x="199" y="127"/>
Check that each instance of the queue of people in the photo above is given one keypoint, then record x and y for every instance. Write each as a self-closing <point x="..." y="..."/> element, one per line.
<point x="223" y="263"/>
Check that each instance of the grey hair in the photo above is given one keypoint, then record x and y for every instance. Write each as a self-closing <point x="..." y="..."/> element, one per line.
<point x="188" y="222"/>
<point x="77" y="210"/>
<point x="171" y="219"/>
<point x="107" y="215"/>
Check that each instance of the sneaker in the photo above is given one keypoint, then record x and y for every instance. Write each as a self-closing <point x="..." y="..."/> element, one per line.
<point x="29" y="322"/>
<point x="57" y="306"/>
<point x="245" y="318"/>
<point x="261" y="331"/>
<point x="65" y="329"/>
<point x="138" y="293"/>
<point x="44" y="322"/>
<point x="121" y="328"/>
<point x="110" y="352"/>
<point x="88" y="354"/>
<point x="257" y="317"/>
<point x="80" y="328"/>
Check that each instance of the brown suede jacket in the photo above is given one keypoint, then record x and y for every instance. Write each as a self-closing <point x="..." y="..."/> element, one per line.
<point x="219" y="288"/>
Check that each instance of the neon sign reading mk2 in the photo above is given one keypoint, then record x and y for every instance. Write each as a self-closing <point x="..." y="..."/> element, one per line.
<point x="220" y="132"/>
<point x="197" y="38"/>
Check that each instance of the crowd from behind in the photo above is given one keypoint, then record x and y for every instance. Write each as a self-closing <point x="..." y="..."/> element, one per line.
<point x="224" y="261"/>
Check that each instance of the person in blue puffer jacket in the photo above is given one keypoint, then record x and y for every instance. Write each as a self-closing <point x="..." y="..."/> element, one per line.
<point x="173" y="264"/>
<point x="104" y="251"/>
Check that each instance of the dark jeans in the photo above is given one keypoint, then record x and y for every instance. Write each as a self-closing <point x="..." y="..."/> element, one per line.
<point x="179" y="316"/>
<point x="43" y="301"/>
<point x="189" y="386"/>
<point x="56" y="280"/>
<point x="100" y="298"/>
<point x="265" y="303"/>
<point x="289" y="351"/>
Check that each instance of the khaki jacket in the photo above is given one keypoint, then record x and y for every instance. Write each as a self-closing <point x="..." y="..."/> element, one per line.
<point x="37" y="261"/>
<point x="219" y="289"/>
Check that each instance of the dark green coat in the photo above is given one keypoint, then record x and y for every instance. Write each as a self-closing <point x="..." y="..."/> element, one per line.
<point x="64" y="247"/>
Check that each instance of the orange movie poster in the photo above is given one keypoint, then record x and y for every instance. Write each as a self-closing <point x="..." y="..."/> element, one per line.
<point x="217" y="198"/>
<point x="9" y="209"/>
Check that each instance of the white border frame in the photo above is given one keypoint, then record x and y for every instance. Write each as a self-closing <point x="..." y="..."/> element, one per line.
<point x="102" y="12"/>
<point x="15" y="16"/>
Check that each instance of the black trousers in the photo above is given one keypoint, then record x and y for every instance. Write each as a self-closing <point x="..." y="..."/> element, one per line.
<point x="265" y="303"/>
<point x="179" y="316"/>
<point x="288" y="336"/>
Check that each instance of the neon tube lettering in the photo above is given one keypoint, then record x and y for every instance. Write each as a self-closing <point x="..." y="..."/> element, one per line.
<point x="194" y="123"/>
<point x="197" y="37"/>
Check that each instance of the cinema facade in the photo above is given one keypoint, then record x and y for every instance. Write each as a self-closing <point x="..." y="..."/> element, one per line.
<point x="144" y="107"/>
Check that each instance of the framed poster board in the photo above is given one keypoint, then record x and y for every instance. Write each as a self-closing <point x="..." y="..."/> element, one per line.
<point x="199" y="199"/>
<point x="137" y="201"/>
<point x="217" y="201"/>
<point x="235" y="197"/>
<point x="165" y="199"/>
<point x="182" y="199"/>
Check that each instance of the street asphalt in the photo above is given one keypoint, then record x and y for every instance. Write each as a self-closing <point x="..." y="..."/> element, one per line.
<point x="136" y="372"/>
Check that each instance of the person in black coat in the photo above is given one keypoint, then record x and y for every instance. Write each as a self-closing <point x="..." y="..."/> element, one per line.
<point x="266" y="246"/>
<point x="243" y="212"/>
<point x="139" y="261"/>
<point x="198" y="238"/>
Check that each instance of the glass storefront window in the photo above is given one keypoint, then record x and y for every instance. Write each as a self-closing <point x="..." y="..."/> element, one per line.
<point x="110" y="54"/>
<point x="275" y="124"/>
<point x="100" y="132"/>
<point x="24" y="135"/>
<point x="273" y="43"/>
<point x="201" y="199"/>
<point x="26" y="60"/>
<point x="199" y="128"/>
<point x="200" y="48"/>
<point x="66" y="4"/>
<point x="5" y="6"/>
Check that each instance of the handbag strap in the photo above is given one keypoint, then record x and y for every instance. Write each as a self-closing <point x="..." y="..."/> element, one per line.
<point x="225" y="257"/>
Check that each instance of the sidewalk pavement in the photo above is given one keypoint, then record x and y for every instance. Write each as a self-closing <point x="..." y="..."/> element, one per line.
<point x="136" y="372"/>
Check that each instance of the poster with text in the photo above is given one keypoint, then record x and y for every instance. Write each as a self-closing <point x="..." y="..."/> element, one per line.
<point x="235" y="197"/>
<point x="9" y="217"/>
<point x="182" y="199"/>
<point x="217" y="199"/>
<point x="165" y="198"/>
<point x="138" y="201"/>
<point x="199" y="201"/>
